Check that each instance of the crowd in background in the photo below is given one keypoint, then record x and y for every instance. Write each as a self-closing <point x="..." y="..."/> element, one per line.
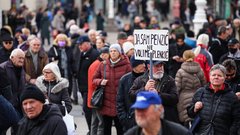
<point x="80" y="59"/>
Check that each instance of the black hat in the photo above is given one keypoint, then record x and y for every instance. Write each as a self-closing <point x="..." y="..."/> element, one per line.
<point x="122" y="35"/>
<point x="135" y="63"/>
<point x="83" y="39"/>
<point x="7" y="37"/>
<point x="104" y="50"/>
<point x="103" y="34"/>
<point x="233" y="41"/>
<point x="34" y="92"/>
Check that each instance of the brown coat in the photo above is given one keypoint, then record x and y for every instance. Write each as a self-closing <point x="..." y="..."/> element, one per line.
<point x="113" y="75"/>
<point x="188" y="79"/>
<point x="29" y="66"/>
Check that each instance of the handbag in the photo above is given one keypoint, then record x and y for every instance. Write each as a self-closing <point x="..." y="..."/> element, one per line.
<point x="69" y="121"/>
<point x="98" y="94"/>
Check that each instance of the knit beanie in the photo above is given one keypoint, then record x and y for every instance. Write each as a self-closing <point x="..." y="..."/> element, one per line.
<point x="54" y="68"/>
<point x="117" y="47"/>
<point x="188" y="55"/>
<point x="33" y="92"/>
<point x="135" y="63"/>
<point x="203" y="39"/>
<point x="127" y="46"/>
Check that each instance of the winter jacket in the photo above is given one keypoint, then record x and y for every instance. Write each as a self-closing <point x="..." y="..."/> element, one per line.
<point x="166" y="88"/>
<point x="204" y="58"/>
<point x="113" y="75"/>
<point x="91" y="87"/>
<point x="29" y="67"/>
<point x="227" y="118"/>
<point x="217" y="49"/>
<point x="124" y="111"/>
<point x="188" y="79"/>
<point x="56" y="92"/>
<point x="17" y="81"/>
<point x="4" y="54"/>
<point x="80" y="67"/>
<point x="49" y="122"/>
<point x="167" y="128"/>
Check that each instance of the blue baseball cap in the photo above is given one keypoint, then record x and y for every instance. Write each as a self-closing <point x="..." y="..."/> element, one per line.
<point x="82" y="39"/>
<point x="145" y="99"/>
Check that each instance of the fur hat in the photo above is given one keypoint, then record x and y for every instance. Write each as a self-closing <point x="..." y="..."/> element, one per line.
<point x="32" y="91"/>
<point x="54" y="68"/>
<point x="127" y="46"/>
<point x="117" y="47"/>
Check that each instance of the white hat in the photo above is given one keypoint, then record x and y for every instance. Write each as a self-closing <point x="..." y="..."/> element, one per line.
<point x="127" y="46"/>
<point x="74" y="29"/>
<point x="54" y="68"/>
<point x="203" y="39"/>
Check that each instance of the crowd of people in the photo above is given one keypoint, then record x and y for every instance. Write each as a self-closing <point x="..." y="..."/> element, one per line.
<point x="202" y="76"/>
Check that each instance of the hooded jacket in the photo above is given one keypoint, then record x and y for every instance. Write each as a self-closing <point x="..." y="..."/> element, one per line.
<point x="49" y="122"/>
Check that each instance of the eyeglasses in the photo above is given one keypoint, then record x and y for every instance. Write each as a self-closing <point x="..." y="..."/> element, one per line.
<point x="230" y="75"/>
<point x="8" y="42"/>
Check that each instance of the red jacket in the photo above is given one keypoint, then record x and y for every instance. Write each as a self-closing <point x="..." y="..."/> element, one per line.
<point x="113" y="75"/>
<point x="92" y="87"/>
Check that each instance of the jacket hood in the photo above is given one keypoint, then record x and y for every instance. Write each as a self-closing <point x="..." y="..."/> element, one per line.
<point x="54" y="68"/>
<point x="191" y="67"/>
<point x="123" y="61"/>
<point x="62" y="83"/>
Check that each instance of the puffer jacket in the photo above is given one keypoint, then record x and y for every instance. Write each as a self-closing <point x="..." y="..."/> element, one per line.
<point x="166" y="88"/>
<point x="113" y="75"/>
<point x="49" y="122"/>
<point x="56" y="92"/>
<point x="227" y="118"/>
<point x="188" y="79"/>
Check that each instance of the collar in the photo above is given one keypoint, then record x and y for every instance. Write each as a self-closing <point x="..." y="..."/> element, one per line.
<point x="221" y="88"/>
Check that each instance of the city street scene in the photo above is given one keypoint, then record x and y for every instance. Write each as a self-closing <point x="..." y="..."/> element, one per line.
<point x="119" y="67"/>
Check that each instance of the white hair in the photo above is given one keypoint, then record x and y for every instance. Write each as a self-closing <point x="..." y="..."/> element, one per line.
<point x="16" y="52"/>
<point x="34" y="39"/>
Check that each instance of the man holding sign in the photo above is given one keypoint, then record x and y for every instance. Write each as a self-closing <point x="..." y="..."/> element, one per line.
<point x="155" y="79"/>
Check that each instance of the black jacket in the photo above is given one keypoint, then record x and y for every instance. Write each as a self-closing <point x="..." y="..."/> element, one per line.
<point x="81" y="64"/>
<point x="49" y="122"/>
<point x="4" y="54"/>
<point x="227" y="118"/>
<point x="166" y="88"/>
<point x="217" y="49"/>
<point x="168" y="128"/>
<point x="124" y="111"/>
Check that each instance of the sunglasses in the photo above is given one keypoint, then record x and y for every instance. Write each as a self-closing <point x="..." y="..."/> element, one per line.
<point x="230" y="75"/>
<point x="8" y="42"/>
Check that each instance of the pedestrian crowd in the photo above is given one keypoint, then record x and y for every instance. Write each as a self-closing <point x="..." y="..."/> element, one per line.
<point x="38" y="86"/>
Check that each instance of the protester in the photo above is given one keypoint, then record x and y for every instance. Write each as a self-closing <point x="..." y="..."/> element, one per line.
<point x="149" y="113"/>
<point x="40" y="118"/>
<point x="7" y="47"/>
<point x="54" y="87"/>
<point x="128" y="49"/>
<point x="226" y="120"/>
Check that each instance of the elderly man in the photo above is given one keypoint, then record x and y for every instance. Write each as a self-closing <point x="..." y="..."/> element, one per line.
<point x="35" y="60"/>
<point x="16" y="75"/>
<point x="41" y="119"/>
<point x="162" y="84"/>
<point x="149" y="117"/>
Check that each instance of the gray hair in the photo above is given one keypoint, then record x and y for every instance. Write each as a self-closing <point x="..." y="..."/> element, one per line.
<point x="16" y="52"/>
<point x="219" y="67"/>
<point x="34" y="39"/>
<point x="156" y="107"/>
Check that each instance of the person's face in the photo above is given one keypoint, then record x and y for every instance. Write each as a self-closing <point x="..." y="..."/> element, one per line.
<point x="230" y="75"/>
<point x="35" y="46"/>
<point x="148" y="116"/>
<point x="99" y="43"/>
<point x="140" y="68"/>
<point x="158" y="68"/>
<point x="217" y="78"/>
<point x="20" y="40"/>
<point x="114" y="54"/>
<point x="130" y="39"/>
<point x="233" y="48"/>
<point x="92" y="37"/>
<point x="48" y="75"/>
<point x="18" y="60"/>
<point x="32" y="108"/>
<point x="8" y="45"/>
<point x="83" y="47"/>
<point x="121" y="41"/>
<point x="130" y="52"/>
<point x="105" y="56"/>
<point x="180" y="42"/>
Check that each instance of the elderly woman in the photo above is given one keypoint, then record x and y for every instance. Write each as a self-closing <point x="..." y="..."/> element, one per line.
<point x="54" y="87"/>
<point x="216" y="98"/>
<point x="116" y="66"/>
<point x="188" y="79"/>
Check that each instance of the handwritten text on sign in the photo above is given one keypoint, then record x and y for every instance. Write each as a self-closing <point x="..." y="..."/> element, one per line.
<point x="155" y="40"/>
